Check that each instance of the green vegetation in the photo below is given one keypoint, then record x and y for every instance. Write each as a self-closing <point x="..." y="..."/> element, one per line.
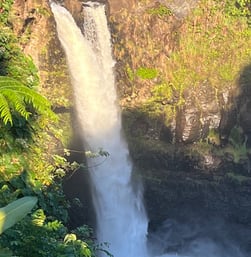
<point x="213" y="47"/>
<point x="5" y="6"/>
<point x="12" y="213"/>
<point x="239" y="8"/>
<point x="13" y="62"/>
<point x="208" y="48"/>
<point x="15" y="97"/>
<point x="15" y="211"/>
<point x="237" y="178"/>
<point x="30" y="139"/>
<point x="141" y="72"/>
<point x="146" y="73"/>
<point x="161" y="11"/>
<point x="46" y="237"/>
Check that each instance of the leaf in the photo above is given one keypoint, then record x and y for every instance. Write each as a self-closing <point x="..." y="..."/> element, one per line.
<point x="4" y="252"/>
<point x="14" y="96"/>
<point x="85" y="250"/>
<point x="5" y="113"/>
<point x="15" y="211"/>
<point x="70" y="238"/>
<point x="38" y="218"/>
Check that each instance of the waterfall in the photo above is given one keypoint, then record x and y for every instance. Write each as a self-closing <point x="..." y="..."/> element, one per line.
<point x="121" y="218"/>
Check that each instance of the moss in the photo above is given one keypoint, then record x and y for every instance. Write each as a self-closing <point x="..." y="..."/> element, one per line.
<point x="237" y="178"/>
<point x="13" y="62"/>
<point x="146" y="73"/>
<point x="54" y="72"/>
<point x="239" y="8"/>
<point x="213" y="137"/>
<point x="43" y="11"/>
<point x="213" y="47"/>
<point x="161" y="11"/>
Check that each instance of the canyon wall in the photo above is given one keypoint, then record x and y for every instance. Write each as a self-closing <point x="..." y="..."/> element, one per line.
<point x="191" y="148"/>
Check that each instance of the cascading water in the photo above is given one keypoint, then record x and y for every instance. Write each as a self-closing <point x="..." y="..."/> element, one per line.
<point x="121" y="218"/>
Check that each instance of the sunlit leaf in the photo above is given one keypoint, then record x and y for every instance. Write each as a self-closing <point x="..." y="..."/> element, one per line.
<point x="15" y="211"/>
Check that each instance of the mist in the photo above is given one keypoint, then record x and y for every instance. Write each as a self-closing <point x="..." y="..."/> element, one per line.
<point x="198" y="237"/>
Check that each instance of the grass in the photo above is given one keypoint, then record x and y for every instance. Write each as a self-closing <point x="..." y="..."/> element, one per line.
<point x="211" y="46"/>
<point x="211" y="41"/>
<point x="161" y="11"/>
<point x="214" y="47"/>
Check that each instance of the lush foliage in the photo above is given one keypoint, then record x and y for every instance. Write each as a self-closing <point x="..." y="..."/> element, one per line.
<point x="12" y="213"/>
<point x="5" y="6"/>
<point x="15" y="97"/>
<point x="214" y="47"/>
<point x="13" y="62"/>
<point x="29" y="138"/>
<point x="239" y="8"/>
<point x="42" y="236"/>
<point x="15" y="211"/>
<point x="208" y="48"/>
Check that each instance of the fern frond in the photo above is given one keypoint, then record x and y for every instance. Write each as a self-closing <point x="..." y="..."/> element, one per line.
<point x="18" y="96"/>
<point x="38" y="218"/>
<point x="16" y="101"/>
<point x="5" y="113"/>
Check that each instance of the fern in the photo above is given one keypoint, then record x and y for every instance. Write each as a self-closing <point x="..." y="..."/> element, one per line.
<point x="38" y="218"/>
<point x="16" y="97"/>
<point x="4" y="109"/>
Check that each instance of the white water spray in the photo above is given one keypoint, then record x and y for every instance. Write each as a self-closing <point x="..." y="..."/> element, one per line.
<point x="121" y="218"/>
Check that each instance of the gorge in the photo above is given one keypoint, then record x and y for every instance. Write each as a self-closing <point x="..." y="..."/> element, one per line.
<point x="183" y="84"/>
<point x="121" y="219"/>
<point x="114" y="206"/>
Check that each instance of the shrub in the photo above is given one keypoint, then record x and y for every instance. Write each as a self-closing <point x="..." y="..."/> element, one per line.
<point x="5" y="6"/>
<point x="146" y="73"/>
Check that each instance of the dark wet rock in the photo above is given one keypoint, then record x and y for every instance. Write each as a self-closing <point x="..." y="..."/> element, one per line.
<point x="200" y="113"/>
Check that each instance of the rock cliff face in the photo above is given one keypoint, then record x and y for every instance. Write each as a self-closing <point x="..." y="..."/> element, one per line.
<point x="33" y="22"/>
<point x="177" y="143"/>
<point x="180" y="152"/>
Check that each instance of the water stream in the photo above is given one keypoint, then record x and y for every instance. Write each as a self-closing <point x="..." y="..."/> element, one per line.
<point x="121" y="218"/>
<point x="120" y="214"/>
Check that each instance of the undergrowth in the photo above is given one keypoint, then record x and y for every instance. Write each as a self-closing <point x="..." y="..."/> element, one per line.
<point x="214" y="46"/>
<point x="30" y="166"/>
